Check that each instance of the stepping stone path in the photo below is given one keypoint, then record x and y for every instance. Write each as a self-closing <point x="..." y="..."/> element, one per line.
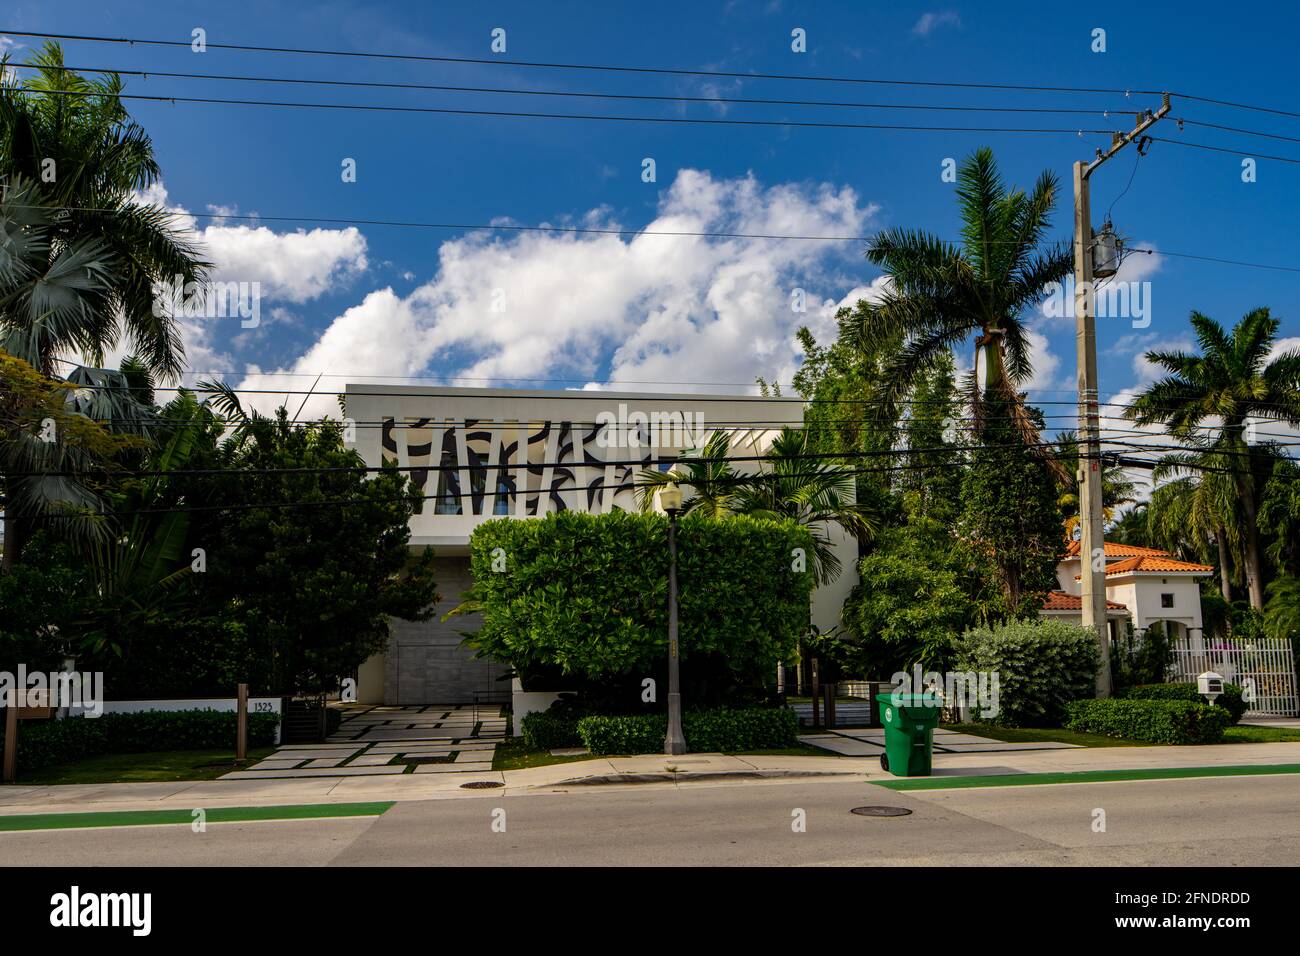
<point x="437" y="738"/>
<point x="870" y="742"/>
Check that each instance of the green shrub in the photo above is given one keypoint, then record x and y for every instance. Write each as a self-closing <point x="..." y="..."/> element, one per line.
<point x="718" y="729"/>
<point x="1230" y="699"/>
<point x="1156" y="721"/>
<point x="587" y="594"/>
<point x="642" y="734"/>
<point x="755" y="728"/>
<point x="544" y="730"/>
<point x="1041" y="667"/>
<point x="75" y="738"/>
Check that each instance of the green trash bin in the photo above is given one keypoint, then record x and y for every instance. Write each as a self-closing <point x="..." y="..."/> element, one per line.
<point x="909" y="734"/>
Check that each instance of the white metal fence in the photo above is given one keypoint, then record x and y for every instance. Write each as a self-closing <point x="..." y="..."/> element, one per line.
<point x="1265" y="664"/>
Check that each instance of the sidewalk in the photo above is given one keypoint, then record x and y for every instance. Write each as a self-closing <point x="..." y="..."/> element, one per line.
<point x="600" y="774"/>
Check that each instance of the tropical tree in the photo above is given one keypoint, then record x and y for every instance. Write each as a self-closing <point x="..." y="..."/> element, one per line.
<point x="68" y="145"/>
<point x="710" y="477"/>
<point x="1009" y="516"/>
<point x="940" y="294"/>
<point x="788" y="484"/>
<point x="79" y="258"/>
<point x="1117" y="488"/>
<point x="1231" y="382"/>
<point x="813" y="492"/>
<point x="1194" y="508"/>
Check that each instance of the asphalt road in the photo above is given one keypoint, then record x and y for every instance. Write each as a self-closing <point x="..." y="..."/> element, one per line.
<point x="1214" y="822"/>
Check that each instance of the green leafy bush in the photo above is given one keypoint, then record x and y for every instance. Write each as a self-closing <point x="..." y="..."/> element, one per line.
<point x="756" y="728"/>
<point x="588" y="593"/>
<point x="717" y="729"/>
<point x="624" y="735"/>
<point x="1041" y="667"/>
<point x="1157" y="721"/>
<point x="75" y="738"/>
<point x="544" y="730"/>
<point x="1230" y="699"/>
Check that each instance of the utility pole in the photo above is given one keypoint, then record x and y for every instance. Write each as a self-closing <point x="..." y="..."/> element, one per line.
<point x="1092" y="570"/>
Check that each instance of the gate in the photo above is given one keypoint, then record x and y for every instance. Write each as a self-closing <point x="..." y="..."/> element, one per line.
<point x="1267" y="662"/>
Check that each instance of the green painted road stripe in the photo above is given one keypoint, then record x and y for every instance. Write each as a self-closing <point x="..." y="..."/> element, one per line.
<point x="1084" y="776"/>
<point x="137" y="818"/>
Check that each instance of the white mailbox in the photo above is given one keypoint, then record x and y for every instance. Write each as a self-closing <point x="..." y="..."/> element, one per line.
<point x="1209" y="685"/>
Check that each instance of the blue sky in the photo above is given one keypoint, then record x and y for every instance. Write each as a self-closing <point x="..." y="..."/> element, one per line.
<point x="386" y="303"/>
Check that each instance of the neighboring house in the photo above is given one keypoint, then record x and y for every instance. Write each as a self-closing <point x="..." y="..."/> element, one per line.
<point x="1143" y="585"/>
<point x="581" y="450"/>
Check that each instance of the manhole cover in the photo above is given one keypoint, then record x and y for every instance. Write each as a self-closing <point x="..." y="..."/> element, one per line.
<point x="492" y="784"/>
<point x="881" y="811"/>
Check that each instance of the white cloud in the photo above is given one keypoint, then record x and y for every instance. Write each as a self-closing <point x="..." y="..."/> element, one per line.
<point x="930" y="22"/>
<point x="656" y="310"/>
<point x="296" y="266"/>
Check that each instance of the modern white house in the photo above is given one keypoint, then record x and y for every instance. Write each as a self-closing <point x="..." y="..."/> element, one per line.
<point x="1143" y="585"/>
<point x="509" y="453"/>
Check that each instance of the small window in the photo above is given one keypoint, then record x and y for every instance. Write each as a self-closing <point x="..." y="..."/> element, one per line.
<point x="1166" y="600"/>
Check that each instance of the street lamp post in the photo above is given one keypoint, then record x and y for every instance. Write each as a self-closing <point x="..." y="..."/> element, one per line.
<point x="670" y="499"/>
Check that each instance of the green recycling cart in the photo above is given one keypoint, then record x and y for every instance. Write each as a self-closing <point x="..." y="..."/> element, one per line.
<point x="909" y="721"/>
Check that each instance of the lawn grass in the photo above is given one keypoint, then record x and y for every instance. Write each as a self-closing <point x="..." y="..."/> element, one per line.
<point x="161" y="767"/>
<point x="1058" y="735"/>
<point x="1242" y="734"/>
<point x="512" y="754"/>
<point x="1083" y="776"/>
<point x="136" y="818"/>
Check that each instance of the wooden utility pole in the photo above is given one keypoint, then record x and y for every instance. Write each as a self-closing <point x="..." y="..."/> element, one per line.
<point x="1092" y="571"/>
<point x="11" y="739"/>
<point x="241" y="723"/>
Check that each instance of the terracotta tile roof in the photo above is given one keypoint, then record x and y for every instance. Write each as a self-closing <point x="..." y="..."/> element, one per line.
<point x="1117" y="550"/>
<point x="1154" y="565"/>
<point x="1060" y="601"/>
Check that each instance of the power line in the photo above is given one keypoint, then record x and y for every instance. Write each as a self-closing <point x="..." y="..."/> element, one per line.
<point x="647" y="462"/>
<point x="1224" y="149"/>
<point x="544" y="494"/>
<point x="678" y="98"/>
<point x="1239" y="106"/>
<point x="497" y="61"/>
<point x="596" y="230"/>
<point x="1235" y="129"/>
<point x="572" y="395"/>
<point x="517" y="114"/>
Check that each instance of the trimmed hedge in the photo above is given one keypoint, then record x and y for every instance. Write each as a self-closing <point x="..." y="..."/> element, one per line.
<point x="1230" y="699"/>
<point x="1041" y="667"/>
<point x="641" y="734"/>
<point x="544" y="730"/>
<point x="75" y="738"/>
<point x="720" y="729"/>
<point x="587" y="594"/>
<point x="1157" y="721"/>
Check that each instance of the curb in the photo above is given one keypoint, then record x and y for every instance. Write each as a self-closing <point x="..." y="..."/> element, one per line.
<point x="685" y="776"/>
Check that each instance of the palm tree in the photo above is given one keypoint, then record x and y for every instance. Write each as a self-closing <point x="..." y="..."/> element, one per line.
<point x="814" y="493"/>
<point x="940" y="294"/>
<point x="1117" y="488"/>
<point x="1230" y="381"/>
<point x="71" y="144"/>
<point x="787" y="485"/>
<point x="710" y="477"/>
<point x="79" y="256"/>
